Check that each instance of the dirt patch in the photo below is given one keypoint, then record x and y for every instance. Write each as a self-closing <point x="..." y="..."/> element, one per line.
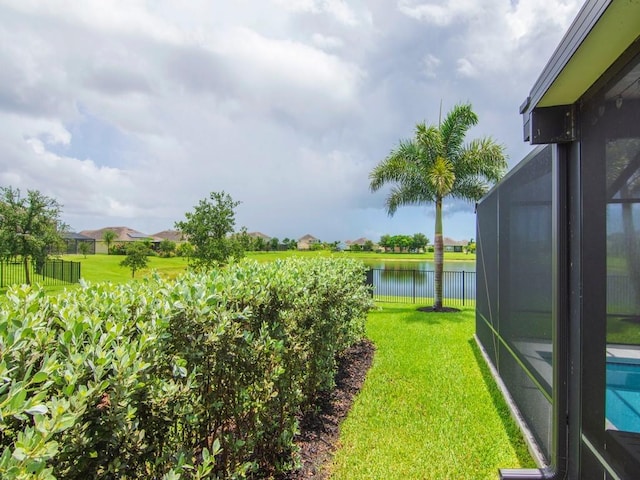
<point x="319" y="433"/>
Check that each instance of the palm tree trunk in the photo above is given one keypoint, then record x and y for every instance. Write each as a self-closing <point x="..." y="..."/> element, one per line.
<point x="438" y="257"/>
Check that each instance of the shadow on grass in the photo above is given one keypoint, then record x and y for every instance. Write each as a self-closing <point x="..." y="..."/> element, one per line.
<point x="425" y="314"/>
<point x="513" y="432"/>
<point x="412" y="313"/>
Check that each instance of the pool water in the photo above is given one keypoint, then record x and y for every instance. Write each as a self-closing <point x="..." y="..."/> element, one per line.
<point x="623" y="395"/>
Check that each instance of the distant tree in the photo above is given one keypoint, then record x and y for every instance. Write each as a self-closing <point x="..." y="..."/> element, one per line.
<point x="108" y="236"/>
<point x="403" y="242"/>
<point x="289" y="243"/>
<point x="471" y="246"/>
<point x="208" y="228"/>
<point x="241" y="242"/>
<point x="137" y="257"/>
<point x="293" y="244"/>
<point x="437" y="164"/>
<point x="167" y="248"/>
<point x="30" y="227"/>
<point x="274" y="243"/>
<point x="84" y="248"/>
<point x="184" y="250"/>
<point x="354" y="247"/>
<point x="259" y="244"/>
<point x="368" y="246"/>
<point x="419" y="241"/>
<point x="385" y="242"/>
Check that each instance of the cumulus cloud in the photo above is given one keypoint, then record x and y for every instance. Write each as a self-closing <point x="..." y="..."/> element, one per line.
<point x="129" y="112"/>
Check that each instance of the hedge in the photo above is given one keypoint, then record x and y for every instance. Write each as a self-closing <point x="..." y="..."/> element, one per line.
<point x="204" y="376"/>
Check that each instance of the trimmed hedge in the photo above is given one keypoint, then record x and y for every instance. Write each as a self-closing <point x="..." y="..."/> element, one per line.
<point x="199" y="377"/>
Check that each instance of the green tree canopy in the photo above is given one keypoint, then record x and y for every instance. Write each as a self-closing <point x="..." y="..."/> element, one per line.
<point x="436" y="164"/>
<point x="137" y="257"/>
<point x="208" y="228"/>
<point x="30" y="227"/>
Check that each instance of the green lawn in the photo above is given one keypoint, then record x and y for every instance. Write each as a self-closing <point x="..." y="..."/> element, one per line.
<point x="106" y="268"/>
<point x="429" y="408"/>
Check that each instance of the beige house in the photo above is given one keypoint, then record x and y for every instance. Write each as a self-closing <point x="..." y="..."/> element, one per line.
<point x="451" y="245"/>
<point x="305" y="243"/>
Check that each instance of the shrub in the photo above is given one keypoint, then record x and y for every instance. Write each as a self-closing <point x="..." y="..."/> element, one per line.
<point x="119" y="248"/>
<point x="205" y="374"/>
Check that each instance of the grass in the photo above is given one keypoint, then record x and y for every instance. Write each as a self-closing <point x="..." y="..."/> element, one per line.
<point x="429" y="408"/>
<point x="107" y="267"/>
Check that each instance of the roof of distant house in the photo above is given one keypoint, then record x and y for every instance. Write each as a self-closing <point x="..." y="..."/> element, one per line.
<point x="308" y="238"/>
<point x="75" y="236"/>
<point x="123" y="234"/>
<point x="358" y="241"/>
<point x="259" y="235"/>
<point x="173" y="235"/>
<point x="450" y="242"/>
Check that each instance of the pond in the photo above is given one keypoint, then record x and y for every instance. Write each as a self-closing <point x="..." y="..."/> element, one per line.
<point x="451" y="266"/>
<point x="413" y="281"/>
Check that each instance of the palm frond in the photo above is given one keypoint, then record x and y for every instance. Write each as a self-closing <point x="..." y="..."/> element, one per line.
<point x="483" y="157"/>
<point x="430" y="140"/>
<point x="471" y="189"/>
<point x="393" y="168"/>
<point x="408" y="194"/>
<point x="454" y="128"/>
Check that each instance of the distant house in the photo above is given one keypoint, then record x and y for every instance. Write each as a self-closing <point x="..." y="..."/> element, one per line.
<point x="73" y="241"/>
<point x="123" y="234"/>
<point x="360" y="242"/>
<point x="261" y="235"/>
<point x="174" y="235"/>
<point x="305" y="243"/>
<point x="451" y="245"/>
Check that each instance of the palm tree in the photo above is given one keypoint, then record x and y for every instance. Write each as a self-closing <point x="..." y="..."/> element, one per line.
<point x="108" y="237"/>
<point x="437" y="164"/>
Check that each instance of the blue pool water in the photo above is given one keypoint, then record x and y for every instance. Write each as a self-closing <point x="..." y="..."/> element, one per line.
<point x="623" y="395"/>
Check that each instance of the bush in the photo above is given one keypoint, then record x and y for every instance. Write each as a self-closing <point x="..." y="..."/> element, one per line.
<point x="173" y="379"/>
<point x="119" y="248"/>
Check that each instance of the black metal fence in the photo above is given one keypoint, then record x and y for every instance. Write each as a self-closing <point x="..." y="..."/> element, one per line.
<point x="50" y="273"/>
<point x="459" y="288"/>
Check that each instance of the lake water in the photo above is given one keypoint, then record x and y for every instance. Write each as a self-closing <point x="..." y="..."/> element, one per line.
<point x="457" y="266"/>
<point x="414" y="280"/>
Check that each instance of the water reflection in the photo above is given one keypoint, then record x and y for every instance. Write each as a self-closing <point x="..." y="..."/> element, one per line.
<point x="412" y="281"/>
<point x="425" y="265"/>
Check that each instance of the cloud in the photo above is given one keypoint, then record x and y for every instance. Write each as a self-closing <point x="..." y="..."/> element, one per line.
<point x="430" y="64"/>
<point x="129" y="112"/>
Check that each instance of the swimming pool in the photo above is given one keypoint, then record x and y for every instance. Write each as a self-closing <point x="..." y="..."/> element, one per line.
<point x="623" y="395"/>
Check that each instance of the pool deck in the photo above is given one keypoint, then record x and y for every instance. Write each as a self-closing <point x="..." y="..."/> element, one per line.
<point x="623" y="352"/>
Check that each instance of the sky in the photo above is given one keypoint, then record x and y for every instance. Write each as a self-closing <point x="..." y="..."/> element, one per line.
<point x="129" y="112"/>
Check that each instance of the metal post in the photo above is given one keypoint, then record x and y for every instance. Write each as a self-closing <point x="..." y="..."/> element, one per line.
<point x="414" y="285"/>
<point x="464" y="274"/>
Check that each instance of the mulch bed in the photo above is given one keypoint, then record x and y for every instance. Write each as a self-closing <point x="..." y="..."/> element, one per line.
<point x="441" y="310"/>
<point x="319" y="433"/>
